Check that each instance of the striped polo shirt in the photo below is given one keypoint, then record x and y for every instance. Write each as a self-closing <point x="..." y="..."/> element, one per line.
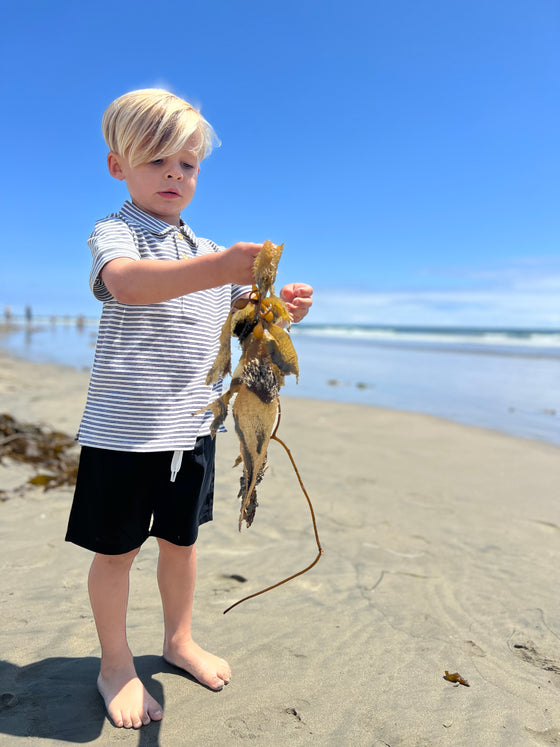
<point x="151" y="361"/>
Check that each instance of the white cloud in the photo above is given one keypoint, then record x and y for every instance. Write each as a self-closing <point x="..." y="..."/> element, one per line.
<point x="524" y="294"/>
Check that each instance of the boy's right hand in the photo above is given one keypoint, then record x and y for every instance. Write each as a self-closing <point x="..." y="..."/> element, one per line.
<point x="240" y="259"/>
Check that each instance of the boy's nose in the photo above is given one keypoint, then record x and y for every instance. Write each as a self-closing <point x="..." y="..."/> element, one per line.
<point x="174" y="172"/>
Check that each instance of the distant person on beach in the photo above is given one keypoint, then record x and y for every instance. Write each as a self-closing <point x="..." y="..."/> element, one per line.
<point x="147" y="462"/>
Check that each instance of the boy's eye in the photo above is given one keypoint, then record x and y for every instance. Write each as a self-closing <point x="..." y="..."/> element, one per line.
<point x="157" y="161"/>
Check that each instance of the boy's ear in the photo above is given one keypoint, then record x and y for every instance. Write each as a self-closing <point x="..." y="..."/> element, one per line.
<point x="114" y="165"/>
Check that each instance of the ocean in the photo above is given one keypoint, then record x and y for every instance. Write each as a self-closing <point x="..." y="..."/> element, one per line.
<point x="506" y="380"/>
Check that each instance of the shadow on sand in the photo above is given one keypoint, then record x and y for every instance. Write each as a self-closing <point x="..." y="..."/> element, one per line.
<point x="56" y="698"/>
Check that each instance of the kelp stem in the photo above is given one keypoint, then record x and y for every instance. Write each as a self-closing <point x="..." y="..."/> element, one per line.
<point x="312" y="512"/>
<point x="319" y="548"/>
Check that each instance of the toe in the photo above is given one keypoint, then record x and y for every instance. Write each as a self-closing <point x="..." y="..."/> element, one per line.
<point x="155" y="714"/>
<point x="117" y="718"/>
<point x="214" y="683"/>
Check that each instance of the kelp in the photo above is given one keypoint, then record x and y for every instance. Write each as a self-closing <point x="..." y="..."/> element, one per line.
<point x="47" y="451"/>
<point x="261" y="324"/>
<point x="456" y="677"/>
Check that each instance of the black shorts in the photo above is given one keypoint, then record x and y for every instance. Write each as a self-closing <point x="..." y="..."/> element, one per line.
<point x="123" y="497"/>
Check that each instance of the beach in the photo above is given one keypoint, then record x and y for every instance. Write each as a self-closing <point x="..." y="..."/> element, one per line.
<point x="441" y="553"/>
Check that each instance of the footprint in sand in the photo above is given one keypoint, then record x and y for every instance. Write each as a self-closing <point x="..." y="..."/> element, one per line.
<point x="550" y="736"/>
<point x="529" y="653"/>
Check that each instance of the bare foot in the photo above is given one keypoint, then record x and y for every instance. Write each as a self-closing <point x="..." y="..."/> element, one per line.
<point x="208" y="669"/>
<point x="128" y="702"/>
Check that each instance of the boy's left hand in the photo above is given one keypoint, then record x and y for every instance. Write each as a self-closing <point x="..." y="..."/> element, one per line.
<point x="297" y="297"/>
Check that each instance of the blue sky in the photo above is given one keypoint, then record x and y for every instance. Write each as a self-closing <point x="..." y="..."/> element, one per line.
<point x="406" y="151"/>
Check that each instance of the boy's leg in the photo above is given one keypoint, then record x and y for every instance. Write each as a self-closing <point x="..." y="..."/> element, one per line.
<point x="127" y="701"/>
<point x="176" y="578"/>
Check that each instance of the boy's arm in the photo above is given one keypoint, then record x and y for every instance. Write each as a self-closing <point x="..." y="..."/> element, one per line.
<point x="147" y="281"/>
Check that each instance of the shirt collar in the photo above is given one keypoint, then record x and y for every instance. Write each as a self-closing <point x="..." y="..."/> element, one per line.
<point x="155" y="225"/>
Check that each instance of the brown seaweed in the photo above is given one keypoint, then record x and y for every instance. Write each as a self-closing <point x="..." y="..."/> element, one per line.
<point x="261" y="324"/>
<point x="456" y="677"/>
<point x="47" y="451"/>
<point x="267" y="357"/>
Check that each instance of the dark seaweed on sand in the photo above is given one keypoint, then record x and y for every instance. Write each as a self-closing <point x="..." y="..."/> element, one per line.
<point x="49" y="452"/>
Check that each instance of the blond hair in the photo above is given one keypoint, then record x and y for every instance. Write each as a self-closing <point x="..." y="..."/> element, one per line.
<point x="152" y="123"/>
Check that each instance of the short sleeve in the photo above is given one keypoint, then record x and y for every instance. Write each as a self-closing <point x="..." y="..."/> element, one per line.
<point x="111" y="239"/>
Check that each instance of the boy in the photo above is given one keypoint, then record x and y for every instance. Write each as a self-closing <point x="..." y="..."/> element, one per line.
<point x="147" y="463"/>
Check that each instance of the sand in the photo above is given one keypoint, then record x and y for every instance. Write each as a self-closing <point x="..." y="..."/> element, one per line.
<point x="441" y="553"/>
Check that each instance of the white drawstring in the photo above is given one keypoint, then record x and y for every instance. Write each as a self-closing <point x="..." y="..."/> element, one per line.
<point x="176" y="464"/>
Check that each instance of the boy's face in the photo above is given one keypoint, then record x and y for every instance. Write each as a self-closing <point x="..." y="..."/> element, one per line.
<point x="161" y="188"/>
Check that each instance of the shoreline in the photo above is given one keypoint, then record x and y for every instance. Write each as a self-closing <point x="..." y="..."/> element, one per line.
<point x="489" y="391"/>
<point x="492" y="391"/>
<point x="79" y="376"/>
<point x="441" y="541"/>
